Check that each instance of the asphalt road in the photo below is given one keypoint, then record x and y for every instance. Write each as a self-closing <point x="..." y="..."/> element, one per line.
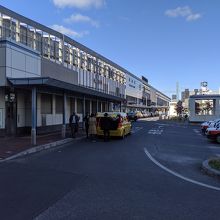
<point x="153" y="174"/>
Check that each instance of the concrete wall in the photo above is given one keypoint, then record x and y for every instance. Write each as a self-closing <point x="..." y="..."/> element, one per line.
<point x="2" y="66"/>
<point x="59" y="72"/>
<point x="200" y="118"/>
<point x="21" y="62"/>
<point x="2" y="108"/>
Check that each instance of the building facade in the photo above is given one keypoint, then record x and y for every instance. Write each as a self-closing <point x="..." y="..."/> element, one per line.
<point x="141" y="96"/>
<point x="45" y="76"/>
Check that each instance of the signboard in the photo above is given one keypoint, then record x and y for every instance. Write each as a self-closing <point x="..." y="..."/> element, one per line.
<point x="1" y="118"/>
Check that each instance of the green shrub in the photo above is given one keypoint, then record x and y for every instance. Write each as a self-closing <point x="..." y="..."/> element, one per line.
<point x="215" y="164"/>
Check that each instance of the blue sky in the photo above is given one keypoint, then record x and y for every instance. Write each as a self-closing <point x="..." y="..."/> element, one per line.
<point x="164" y="40"/>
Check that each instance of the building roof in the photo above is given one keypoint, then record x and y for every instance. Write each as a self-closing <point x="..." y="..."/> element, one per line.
<point x="66" y="39"/>
<point x="206" y="96"/>
<point x="53" y="83"/>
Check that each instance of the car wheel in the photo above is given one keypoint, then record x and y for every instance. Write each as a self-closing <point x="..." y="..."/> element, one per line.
<point x="218" y="139"/>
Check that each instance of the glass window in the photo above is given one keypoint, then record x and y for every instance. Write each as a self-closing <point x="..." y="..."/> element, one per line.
<point x="46" y="103"/>
<point x="45" y="42"/>
<point x="72" y="105"/>
<point x="59" y="104"/>
<point x="6" y="26"/>
<point x="30" y="37"/>
<point x="13" y="29"/>
<point x="38" y="40"/>
<point x="52" y="47"/>
<point x="66" y="54"/>
<point x="79" y="106"/>
<point x="205" y="107"/>
<point x="23" y="33"/>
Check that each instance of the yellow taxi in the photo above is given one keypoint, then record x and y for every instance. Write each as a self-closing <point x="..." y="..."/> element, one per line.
<point x="120" y="126"/>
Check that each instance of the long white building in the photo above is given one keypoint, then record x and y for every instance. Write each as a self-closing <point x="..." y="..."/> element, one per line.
<point x="45" y="76"/>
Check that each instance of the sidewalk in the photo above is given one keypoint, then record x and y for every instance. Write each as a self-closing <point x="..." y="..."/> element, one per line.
<point x="10" y="146"/>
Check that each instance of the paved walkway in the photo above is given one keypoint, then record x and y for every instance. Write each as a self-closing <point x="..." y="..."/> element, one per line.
<point x="10" y="146"/>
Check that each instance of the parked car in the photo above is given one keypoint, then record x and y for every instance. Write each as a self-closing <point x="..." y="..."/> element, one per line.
<point x="131" y="116"/>
<point x="213" y="133"/>
<point x="139" y="114"/>
<point x="120" y="126"/>
<point x="145" y="114"/>
<point x="209" y="124"/>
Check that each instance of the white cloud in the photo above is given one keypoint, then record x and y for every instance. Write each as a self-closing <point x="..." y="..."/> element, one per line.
<point x="68" y="32"/>
<point x="185" y="12"/>
<point x="79" y="3"/>
<point x="194" y="17"/>
<point x="75" y="18"/>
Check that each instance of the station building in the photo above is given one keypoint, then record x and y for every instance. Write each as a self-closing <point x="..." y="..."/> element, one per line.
<point x="45" y="76"/>
<point x="141" y="96"/>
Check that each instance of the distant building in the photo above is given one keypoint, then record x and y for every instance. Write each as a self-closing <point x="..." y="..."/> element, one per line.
<point x="185" y="95"/>
<point x="174" y="97"/>
<point x="172" y="109"/>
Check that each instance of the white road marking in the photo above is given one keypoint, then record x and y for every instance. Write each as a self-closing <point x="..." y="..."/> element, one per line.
<point x="214" y="147"/>
<point x="196" y="130"/>
<point x="155" y="131"/>
<point x="177" y="174"/>
<point x="136" y="129"/>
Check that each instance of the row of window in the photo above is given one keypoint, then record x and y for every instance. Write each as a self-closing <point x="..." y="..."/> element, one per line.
<point x="53" y="48"/>
<point x="47" y="105"/>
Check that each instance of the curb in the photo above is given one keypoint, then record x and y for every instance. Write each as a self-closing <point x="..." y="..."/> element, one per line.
<point x="41" y="148"/>
<point x="209" y="170"/>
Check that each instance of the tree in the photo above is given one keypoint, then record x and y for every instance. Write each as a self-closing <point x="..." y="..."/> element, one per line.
<point x="208" y="107"/>
<point x="179" y="108"/>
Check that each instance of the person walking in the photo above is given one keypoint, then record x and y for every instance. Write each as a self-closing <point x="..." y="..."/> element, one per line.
<point x="86" y="121"/>
<point x="106" y="125"/>
<point x="74" y="124"/>
<point x="92" y="127"/>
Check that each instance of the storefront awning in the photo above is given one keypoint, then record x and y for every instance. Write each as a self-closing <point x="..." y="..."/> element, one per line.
<point x="46" y="81"/>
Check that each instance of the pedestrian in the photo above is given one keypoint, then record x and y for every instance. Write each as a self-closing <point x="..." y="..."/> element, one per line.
<point x="185" y="117"/>
<point x="92" y="127"/>
<point x="86" y="121"/>
<point x="74" y="124"/>
<point x="106" y="125"/>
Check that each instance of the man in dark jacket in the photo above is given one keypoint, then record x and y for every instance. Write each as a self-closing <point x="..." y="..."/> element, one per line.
<point x="106" y="126"/>
<point x="86" y="120"/>
<point x="74" y="124"/>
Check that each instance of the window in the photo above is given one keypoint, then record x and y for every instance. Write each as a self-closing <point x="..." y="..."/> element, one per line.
<point x="79" y="106"/>
<point x="72" y="105"/>
<point x="205" y="107"/>
<point x="46" y="104"/>
<point x="30" y="37"/>
<point x="38" y="40"/>
<point x="6" y="26"/>
<point x="59" y="105"/>
<point x="117" y="91"/>
<point x="52" y="47"/>
<point x="23" y="33"/>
